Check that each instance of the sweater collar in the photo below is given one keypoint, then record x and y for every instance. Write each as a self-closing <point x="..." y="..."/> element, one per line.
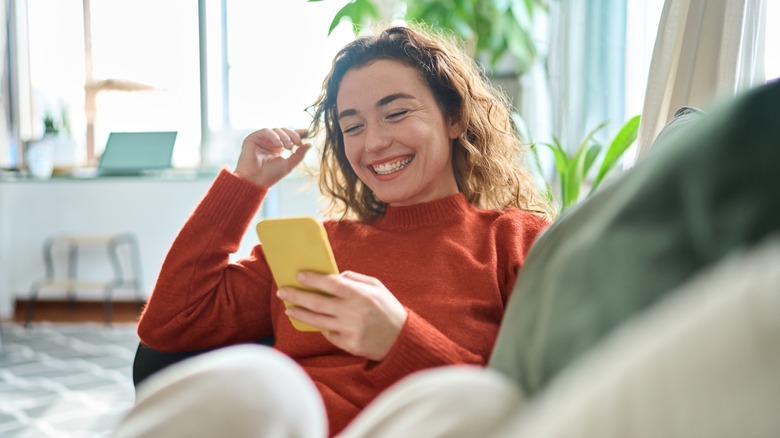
<point x="428" y="213"/>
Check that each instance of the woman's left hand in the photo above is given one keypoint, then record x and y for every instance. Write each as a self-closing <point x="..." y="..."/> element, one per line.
<point x="360" y="316"/>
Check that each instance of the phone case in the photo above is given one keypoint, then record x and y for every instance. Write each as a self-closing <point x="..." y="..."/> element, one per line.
<point x="292" y="245"/>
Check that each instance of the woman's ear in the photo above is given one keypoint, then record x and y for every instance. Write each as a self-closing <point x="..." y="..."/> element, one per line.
<point x="456" y="127"/>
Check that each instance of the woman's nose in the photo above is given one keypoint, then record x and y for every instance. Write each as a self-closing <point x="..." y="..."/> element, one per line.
<point x="376" y="138"/>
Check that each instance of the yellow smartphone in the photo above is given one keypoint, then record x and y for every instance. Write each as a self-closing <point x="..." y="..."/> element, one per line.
<point x="292" y="245"/>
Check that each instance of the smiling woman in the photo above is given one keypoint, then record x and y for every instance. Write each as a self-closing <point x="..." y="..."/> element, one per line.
<point x="396" y="137"/>
<point x="417" y="151"/>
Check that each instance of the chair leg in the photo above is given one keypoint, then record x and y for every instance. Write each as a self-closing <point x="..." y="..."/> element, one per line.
<point x="73" y="257"/>
<point x="30" y="311"/>
<point x="48" y="263"/>
<point x="108" y="306"/>
<point x="135" y="252"/>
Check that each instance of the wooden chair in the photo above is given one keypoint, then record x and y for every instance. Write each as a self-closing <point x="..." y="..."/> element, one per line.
<point x="72" y="283"/>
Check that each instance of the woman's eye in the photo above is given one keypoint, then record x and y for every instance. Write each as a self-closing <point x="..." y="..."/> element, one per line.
<point x="396" y="114"/>
<point x="350" y="129"/>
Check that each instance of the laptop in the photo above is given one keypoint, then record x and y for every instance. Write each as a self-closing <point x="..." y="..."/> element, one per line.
<point x="136" y="153"/>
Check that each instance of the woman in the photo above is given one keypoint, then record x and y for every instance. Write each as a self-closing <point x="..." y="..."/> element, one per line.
<point x="434" y="217"/>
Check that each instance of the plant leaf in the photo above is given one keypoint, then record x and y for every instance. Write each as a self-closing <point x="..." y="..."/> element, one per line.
<point x="590" y="157"/>
<point x="575" y="175"/>
<point x="562" y="165"/>
<point x="593" y="132"/>
<point x="539" y="174"/>
<point x="529" y="7"/>
<point x="356" y="11"/>
<point x="624" y="138"/>
<point x="344" y="12"/>
<point x="561" y="159"/>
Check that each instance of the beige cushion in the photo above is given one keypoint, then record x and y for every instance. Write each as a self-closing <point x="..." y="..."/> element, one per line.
<point x="704" y="363"/>
<point x="707" y="191"/>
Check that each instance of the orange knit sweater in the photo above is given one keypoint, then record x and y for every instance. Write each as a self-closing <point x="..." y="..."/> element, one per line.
<point x="451" y="265"/>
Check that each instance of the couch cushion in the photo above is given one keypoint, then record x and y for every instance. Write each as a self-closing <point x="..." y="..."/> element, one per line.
<point x="703" y="363"/>
<point x="702" y="193"/>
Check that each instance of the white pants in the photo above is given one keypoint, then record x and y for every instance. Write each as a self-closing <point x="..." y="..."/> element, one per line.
<point x="704" y="363"/>
<point x="242" y="391"/>
<point x="255" y="391"/>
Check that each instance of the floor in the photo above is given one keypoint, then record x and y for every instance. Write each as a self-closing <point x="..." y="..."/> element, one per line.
<point x="78" y="311"/>
<point x="67" y="374"/>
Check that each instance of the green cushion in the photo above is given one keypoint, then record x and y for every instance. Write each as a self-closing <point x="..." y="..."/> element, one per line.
<point x="711" y="189"/>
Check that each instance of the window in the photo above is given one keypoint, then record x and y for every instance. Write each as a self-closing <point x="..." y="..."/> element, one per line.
<point x="274" y="58"/>
<point x="139" y="70"/>
<point x="264" y="61"/>
<point x="271" y="83"/>
<point x="772" y="46"/>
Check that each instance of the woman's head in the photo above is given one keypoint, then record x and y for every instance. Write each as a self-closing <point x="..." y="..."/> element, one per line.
<point x="484" y="148"/>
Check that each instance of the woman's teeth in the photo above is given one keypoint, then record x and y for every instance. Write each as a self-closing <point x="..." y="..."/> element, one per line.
<point x="384" y="169"/>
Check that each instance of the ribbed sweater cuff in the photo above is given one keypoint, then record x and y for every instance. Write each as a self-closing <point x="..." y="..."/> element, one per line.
<point x="230" y="203"/>
<point x="419" y="346"/>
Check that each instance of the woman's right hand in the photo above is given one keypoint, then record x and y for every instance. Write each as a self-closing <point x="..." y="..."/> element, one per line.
<point x="261" y="159"/>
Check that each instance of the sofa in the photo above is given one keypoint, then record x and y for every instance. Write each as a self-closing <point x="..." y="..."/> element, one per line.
<point x="652" y="308"/>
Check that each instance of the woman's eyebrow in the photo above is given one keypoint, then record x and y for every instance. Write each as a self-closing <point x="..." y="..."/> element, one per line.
<point x="381" y="102"/>
<point x="387" y="99"/>
<point x="347" y="112"/>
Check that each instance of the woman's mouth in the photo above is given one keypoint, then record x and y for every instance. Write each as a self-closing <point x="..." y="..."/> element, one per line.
<point x="393" y="166"/>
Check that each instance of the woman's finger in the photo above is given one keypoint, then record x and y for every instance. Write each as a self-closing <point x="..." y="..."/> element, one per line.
<point x="306" y="316"/>
<point x="295" y="138"/>
<point x="315" y="301"/>
<point x="360" y="278"/>
<point x="285" y="139"/>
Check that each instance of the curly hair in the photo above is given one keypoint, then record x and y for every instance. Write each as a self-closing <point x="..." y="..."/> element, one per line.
<point x="486" y="157"/>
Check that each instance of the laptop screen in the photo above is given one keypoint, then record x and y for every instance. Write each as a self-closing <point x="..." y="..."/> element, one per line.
<point x="131" y="153"/>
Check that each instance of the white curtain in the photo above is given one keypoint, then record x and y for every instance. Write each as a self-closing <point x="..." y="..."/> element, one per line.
<point x="705" y="50"/>
<point x="579" y="81"/>
<point x="5" y="144"/>
<point x="586" y="65"/>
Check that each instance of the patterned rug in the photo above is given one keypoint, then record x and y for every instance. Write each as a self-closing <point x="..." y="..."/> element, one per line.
<point x="65" y="380"/>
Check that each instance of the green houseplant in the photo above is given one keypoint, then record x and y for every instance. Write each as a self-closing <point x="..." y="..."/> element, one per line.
<point x="50" y="126"/>
<point x="490" y="28"/>
<point x="493" y="29"/>
<point x="573" y="166"/>
<point x="55" y="149"/>
<point x="39" y="152"/>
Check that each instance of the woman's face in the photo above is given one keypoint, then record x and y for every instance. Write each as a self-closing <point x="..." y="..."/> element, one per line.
<point x="396" y="138"/>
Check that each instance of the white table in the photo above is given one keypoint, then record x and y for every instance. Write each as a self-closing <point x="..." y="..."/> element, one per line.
<point x="153" y="208"/>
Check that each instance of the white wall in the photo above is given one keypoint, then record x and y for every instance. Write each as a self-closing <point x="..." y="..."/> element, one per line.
<point x="153" y="209"/>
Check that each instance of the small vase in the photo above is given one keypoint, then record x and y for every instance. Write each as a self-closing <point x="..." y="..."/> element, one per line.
<point x="40" y="157"/>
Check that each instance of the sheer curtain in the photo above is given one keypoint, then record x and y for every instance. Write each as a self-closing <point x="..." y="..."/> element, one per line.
<point x="5" y="138"/>
<point x="705" y="50"/>
<point x="587" y="68"/>
<point x="579" y="82"/>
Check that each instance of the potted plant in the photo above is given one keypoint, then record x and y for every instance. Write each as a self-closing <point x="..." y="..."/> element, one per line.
<point x="50" y="125"/>
<point x="492" y="30"/>
<point x="573" y="167"/>
<point x="55" y="148"/>
<point x="39" y="153"/>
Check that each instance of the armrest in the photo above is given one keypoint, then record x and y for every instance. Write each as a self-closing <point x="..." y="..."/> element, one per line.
<point x="149" y="361"/>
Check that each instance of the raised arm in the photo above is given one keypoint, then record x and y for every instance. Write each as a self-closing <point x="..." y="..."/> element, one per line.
<point x="200" y="299"/>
